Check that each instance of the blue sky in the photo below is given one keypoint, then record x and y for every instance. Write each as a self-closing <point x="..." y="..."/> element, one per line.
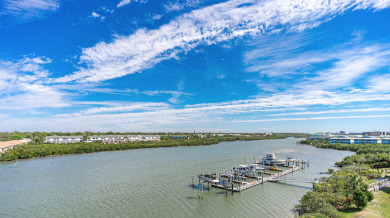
<point x="195" y="65"/>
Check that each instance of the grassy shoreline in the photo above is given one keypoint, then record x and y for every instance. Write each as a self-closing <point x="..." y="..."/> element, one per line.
<point x="379" y="207"/>
<point x="43" y="150"/>
<point x="345" y="193"/>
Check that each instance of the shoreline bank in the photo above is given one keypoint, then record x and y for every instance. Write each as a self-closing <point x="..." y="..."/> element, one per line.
<point x="29" y="151"/>
<point x="335" y="193"/>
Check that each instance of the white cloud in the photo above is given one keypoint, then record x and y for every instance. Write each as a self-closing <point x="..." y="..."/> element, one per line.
<point x="209" y="25"/>
<point x="182" y="4"/>
<point x="22" y="85"/>
<point x="350" y="66"/>
<point x="158" y="116"/>
<point x="139" y="106"/>
<point x="360" y="110"/>
<point x="157" y="17"/>
<point x="312" y="118"/>
<point x="379" y="83"/>
<point x="95" y="15"/>
<point x="287" y="57"/>
<point x="27" y="10"/>
<point x="126" y="2"/>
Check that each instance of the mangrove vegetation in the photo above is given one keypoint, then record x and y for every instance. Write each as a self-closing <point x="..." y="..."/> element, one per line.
<point x="346" y="189"/>
<point x="40" y="149"/>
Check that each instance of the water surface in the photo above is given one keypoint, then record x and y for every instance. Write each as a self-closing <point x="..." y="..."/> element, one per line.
<point x="154" y="182"/>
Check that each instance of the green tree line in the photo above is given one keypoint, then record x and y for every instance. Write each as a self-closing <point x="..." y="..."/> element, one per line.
<point x="40" y="149"/>
<point x="346" y="188"/>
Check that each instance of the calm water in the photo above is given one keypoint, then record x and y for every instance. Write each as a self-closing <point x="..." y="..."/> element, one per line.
<point x="153" y="182"/>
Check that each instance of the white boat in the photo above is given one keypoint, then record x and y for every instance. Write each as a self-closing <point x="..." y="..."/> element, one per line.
<point x="271" y="159"/>
<point x="209" y="178"/>
<point x="243" y="169"/>
<point x="256" y="167"/>
<point x="291" y="159"/>
<point x="227" y="175"/>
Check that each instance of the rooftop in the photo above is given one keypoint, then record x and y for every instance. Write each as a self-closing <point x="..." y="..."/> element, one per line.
<point x="7" y="144"/>
<point x="63" y="137"/>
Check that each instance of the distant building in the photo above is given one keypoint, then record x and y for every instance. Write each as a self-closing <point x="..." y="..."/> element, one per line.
<point x="151" y="138"/>
<point x="63" y="139"/>
<point x="180" y="136"/>
<point x="11" y="144"/>
<point x="359" y="140"/>
<point x="268" y="134"/>
<point x="134" y="138"/>
<point x="320" y="136"/>
<point x="123" y="138"/>
<point x="202" y="136"/>
<point x="342" y="132"/>
<point x="220" y="135"/>
<point x="376" y="133"/>
<point x="106" y="138"/>
<point x="341" y="140"/>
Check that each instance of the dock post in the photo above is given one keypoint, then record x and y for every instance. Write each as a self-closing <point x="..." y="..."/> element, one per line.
<point x="292" y="172"/>
<point x="202" y="192"/>
<point x="232" y="187"/>
<point x="225" y="186"/>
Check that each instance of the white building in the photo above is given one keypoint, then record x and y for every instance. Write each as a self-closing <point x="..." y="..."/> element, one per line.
<point x="11" y="144"/>
<point x="63" y="139"/>
<point x="151" y="137"/>
<point x="320" y="136"/>
<point x="123" y="138"/>
<point x="107" y="138"/>
<point x="202" y="136"/>
<point x="359" y="140"/>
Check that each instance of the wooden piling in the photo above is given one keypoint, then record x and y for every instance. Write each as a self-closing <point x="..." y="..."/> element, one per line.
<point x="202" y="191"/>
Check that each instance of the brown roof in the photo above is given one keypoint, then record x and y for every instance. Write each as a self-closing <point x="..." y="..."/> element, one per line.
<point x="10" y="143"/>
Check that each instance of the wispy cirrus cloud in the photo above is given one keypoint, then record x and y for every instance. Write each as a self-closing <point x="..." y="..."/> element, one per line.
<point x="379" y="83"/>
<point x="360" y="110"/>
<point x="22" y="85"/>
<point x="27" y="10"/>
<point x="181" y="4"/>
<point x="291" y="58"/>
<point x="312" y="118"/>
<point x="209" y="25"/>
<point x="350" y="65"/>
<point x="161" y="116"/>
<point x="129" y="107"/>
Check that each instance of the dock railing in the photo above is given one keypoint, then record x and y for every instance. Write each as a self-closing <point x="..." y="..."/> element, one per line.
<point x="379" y="185"/>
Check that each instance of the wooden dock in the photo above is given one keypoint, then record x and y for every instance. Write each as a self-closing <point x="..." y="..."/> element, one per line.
<point x="236" y="181"/>
<point x="243" y="185"/>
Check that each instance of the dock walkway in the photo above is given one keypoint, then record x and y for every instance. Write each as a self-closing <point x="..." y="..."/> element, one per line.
<point x="258" y="180"/>
<point x="379" y="185"/>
